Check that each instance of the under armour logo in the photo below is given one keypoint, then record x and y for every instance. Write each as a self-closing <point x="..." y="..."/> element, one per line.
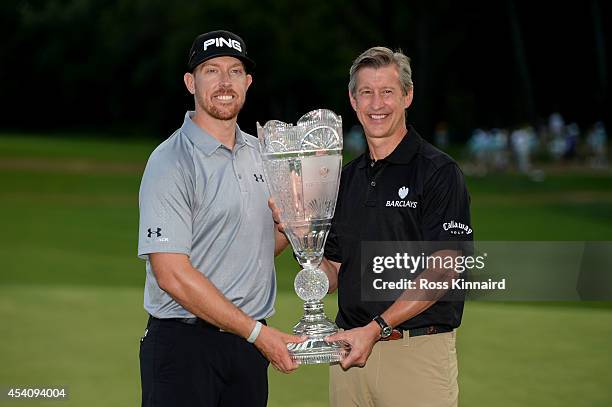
<point x="151" y="232"/>
<point x="258" y="177"/>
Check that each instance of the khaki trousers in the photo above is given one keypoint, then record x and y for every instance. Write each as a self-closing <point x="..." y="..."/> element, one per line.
<point x="415" y="372"/>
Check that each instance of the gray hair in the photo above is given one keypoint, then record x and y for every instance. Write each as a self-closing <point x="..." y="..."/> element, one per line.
<point x="379" y="57"/>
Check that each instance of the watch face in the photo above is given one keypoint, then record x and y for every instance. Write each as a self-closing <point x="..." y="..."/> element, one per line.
<point x="386" y="331"/>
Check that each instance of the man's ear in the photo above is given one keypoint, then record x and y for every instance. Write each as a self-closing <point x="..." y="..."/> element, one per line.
<point x="249" y="80"/>
<point x="189" y="82"/>
<point x="408" y="98"/>
<point x="353" y="101"/>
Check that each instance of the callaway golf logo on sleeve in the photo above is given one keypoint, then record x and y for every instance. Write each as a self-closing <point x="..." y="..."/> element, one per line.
<point x="403" y="193"/>
<point x="456" y="228"/>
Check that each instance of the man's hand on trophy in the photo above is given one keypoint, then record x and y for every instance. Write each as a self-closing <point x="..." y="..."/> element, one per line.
<point x="273" y="344"/>
<point x="361" y="341"/>
<point x="275" y="214"/>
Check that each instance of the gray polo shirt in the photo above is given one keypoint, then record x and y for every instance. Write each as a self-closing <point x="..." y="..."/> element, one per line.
<point x="199" y="198"/>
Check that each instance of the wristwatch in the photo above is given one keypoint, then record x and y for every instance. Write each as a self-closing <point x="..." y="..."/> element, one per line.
<point x="385" y="328"/>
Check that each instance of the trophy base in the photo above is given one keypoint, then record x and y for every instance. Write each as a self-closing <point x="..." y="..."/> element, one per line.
<point x="316" y="350"/>
<point x="316" y="327"/>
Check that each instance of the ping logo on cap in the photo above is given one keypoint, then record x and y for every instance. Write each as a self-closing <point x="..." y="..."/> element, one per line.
<point x="221" y="42"/>
<point x="217" y="44"/>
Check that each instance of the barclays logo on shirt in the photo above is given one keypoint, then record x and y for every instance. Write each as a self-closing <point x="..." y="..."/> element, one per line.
<point x="403" y="193"/>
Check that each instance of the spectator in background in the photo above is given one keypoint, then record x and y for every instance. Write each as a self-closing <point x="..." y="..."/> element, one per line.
<point x="597" y="140"/>
<point x="572" y="133"/>
<point x="523" y="141"/>
<point x="478" y="147"/>
<point x="556" y="124"/>
<point x="499" y="146"/>
<point x="556" y="142"/>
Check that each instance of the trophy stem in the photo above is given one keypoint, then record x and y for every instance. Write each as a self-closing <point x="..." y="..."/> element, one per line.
<point x="314" y="322"/>
<point x="313" y="309"/>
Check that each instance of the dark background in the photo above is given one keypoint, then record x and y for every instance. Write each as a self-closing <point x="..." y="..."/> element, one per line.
<point x="116" y="66"/>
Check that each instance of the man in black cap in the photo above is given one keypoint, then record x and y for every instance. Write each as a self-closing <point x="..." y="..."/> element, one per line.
<point x="209" y="241"/>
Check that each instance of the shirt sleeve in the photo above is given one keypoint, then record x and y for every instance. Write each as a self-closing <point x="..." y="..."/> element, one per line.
<point x="446" y="213"/>
<point x="165" y="209"/>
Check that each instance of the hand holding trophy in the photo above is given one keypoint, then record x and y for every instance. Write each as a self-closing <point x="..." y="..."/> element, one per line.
<point x="302" y="164"/>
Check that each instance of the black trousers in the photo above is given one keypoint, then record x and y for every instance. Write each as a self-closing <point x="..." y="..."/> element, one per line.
<point x="196" y="365"/>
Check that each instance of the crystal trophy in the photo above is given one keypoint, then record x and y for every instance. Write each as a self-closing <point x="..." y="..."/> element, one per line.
<point x="302" y="164"/>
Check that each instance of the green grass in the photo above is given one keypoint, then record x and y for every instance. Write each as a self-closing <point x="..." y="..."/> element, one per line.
<point x="71" y="285"/>
<point x="82" y="147"/>
<point x="86" y="339"/>
<point x="534" y="356"/>
<point x="82" y="338"/>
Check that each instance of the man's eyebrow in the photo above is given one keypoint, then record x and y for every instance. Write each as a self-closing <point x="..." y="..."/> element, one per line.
<point x="210" y="63"/>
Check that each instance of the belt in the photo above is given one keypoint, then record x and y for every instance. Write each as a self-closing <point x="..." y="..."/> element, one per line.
<point x="197" y="321"/>
<point x="426" y="330"/>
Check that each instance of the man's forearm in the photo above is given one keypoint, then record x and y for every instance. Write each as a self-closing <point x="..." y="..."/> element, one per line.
<point x="198" y="295"/>
<point x="280" y="241"/>
<point x="331" y="270"/>
<point x="412" y="302"/>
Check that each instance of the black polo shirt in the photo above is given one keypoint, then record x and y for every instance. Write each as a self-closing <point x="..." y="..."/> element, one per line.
<point x="407" y="196"/>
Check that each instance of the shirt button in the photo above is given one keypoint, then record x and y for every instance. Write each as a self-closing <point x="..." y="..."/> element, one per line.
<point x="373" y="183"/>
<point x="239" y="176"/>
<point x="372" y="164"/>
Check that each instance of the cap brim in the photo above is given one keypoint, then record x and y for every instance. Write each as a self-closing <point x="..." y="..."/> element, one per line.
<point x="249" y="64"/>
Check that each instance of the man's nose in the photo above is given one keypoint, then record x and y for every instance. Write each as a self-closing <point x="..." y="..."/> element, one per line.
<point x="377" y="100"/>
<point x="225" y="78"/>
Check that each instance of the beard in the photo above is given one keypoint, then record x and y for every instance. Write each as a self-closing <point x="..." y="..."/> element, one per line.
<point x="223" y="111"/>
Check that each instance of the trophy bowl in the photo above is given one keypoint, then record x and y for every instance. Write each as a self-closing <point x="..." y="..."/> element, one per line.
<point x="302" y="164"/>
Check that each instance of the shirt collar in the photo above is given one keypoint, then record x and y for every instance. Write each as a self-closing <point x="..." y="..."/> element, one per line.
<point x="403" y="153"/>
<point x="207" y="143"/>
<point x="243" y="138"/>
